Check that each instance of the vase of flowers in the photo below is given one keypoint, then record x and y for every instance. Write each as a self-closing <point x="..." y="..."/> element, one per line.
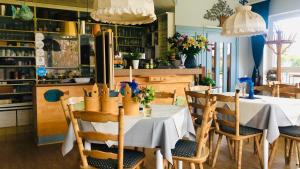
<point x="146" y="96"/>
<point x="133" y="95"/>
<point x="189" y="47"/>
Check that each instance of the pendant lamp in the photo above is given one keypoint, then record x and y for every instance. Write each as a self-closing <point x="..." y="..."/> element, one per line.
<point x="126" y="12"/>
<point x="244" y="23"/>
<point x="70" y="28"/>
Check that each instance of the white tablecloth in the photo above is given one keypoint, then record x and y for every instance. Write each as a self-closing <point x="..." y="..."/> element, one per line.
<point x="270" y="113"/>
<point x="165" y="127"/>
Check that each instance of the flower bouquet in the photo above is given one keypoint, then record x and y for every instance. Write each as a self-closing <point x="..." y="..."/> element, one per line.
<point x="133" y="95"/>
<point x="189" y="46"/>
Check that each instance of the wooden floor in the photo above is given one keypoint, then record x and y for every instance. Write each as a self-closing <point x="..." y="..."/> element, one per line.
<point x="18" y="151"/>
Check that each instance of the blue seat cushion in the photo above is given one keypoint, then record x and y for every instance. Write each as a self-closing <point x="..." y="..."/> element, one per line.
<point x="185" y="148"/>
<point x="131" y="158"/>
<point x="244" y="131"/>
<point x="291" y="130"/>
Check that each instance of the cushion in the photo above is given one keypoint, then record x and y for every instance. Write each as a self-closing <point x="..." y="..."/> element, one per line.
<point x="131" y="158"/>
<point x="244" y="131"/>
<point x="291" y="130"/>
<point x="185" y="148"/>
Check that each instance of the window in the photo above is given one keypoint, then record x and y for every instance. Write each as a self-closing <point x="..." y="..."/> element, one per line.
<point x="289" y="24"/>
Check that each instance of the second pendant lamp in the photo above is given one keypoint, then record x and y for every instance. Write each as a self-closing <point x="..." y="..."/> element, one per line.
<point x="244" y="23"/>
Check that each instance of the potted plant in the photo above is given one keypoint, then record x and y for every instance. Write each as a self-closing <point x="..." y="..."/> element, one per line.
<point x="207" y="81"/>
<point x="135" y="56"/>
<point x="189" y="47"/>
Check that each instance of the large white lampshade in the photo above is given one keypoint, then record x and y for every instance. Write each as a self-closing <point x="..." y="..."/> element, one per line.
<point x="244" y="23"/>
<point x="127" y="12"/>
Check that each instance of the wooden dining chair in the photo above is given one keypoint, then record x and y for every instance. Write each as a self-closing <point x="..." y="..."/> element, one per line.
<point x="199" y="88"/>
<point x="196" y="152"/>
<point x="68" y="104"/>
<point x="227" y="123"/>
<point x="104" y="157"/>
<point x="196" y="103"/>
<point x="270" y="89"/>
<point x="291" y="134"/>
<point x="163" y="96"/>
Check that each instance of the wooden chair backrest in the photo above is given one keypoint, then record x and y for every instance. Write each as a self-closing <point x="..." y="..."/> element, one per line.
<point x="100" y="117"/>
<point x="68" y="103"/>
<point x="227" y="117"/>
<point x="207" y="119"/>
<point x="199" y="88"/>
<point x="196" y="101"/>
<point x="273" y="90"/>
<point x="290" y="92"/>
<point x="166" y="95"/>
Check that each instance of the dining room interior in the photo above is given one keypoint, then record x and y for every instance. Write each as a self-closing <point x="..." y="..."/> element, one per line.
<point x="150" y="84"/>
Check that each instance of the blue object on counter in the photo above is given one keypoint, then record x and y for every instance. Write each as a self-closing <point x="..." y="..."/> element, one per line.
<point x="41" y="71"/>
<point x="250" y="83"/>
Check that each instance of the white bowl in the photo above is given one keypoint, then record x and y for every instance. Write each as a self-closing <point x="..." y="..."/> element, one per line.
<point x="82" y="80"/>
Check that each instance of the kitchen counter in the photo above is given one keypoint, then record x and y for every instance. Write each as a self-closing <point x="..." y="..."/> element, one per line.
<point x="151" y="72"/>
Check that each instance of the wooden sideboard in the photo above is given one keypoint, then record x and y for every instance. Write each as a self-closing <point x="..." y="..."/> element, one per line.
<point x="50" y="122"/>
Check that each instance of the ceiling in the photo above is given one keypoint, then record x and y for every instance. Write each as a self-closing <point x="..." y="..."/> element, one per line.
<point x="160" y="5"/>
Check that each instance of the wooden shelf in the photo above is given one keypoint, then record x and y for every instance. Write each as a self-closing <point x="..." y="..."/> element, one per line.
<point x="21" y="84"/>
<point x="28" y="47"/>
<point x="31" y="57"/>
<point x="18" y="93"/>
<point x="46" y="32"/>
<point x="128" y="37"/>
<point x="53" y="20"/>
<point x="61" y="67"/>
<point x="15" y="30"/>
<point x="132" y="45"/>
<point x="14" y="40"/>
<point x="15" y="80"/>
<point x="16" y="66"/>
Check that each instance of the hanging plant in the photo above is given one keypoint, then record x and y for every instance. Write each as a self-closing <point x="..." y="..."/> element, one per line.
<point x="220" y="11"/>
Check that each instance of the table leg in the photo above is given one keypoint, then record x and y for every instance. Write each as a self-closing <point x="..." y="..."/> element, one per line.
<point x="266" y="149"/>
<point x="180" y="165"/>
<point x="159" y="159"/>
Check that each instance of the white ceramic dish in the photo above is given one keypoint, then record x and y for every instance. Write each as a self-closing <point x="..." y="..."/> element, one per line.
<point x="82" y="80"/>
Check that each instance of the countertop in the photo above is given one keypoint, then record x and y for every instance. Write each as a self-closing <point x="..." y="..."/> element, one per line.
<point x="62" y="84"/>
<point x="148" y="72"/>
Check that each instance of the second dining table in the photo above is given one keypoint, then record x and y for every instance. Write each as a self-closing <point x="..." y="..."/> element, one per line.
<point x="268" y="114"/>
<point x="167" y="124"/>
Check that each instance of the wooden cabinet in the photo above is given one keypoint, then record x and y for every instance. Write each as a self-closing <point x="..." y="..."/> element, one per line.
<point x="50" y="121"/>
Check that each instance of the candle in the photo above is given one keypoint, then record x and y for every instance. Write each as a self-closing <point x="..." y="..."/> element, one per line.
<point x="130" y="74"/>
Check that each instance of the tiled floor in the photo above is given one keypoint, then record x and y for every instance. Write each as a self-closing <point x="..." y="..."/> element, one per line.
<point x="18" y="151"/>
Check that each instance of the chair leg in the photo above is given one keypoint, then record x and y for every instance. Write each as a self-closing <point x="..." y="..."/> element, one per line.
<point x="217" y="150"/>
<point x="273" y="152"/>
<point x="258" y="150"/>
<point x="298" y="150"/>
<point x="175" y="164"/>
<point x="240" y="152"/>
<point x="192" y="166"/>
<point x="229" y="145"/>
<point x="236" y="145"/>
<point x="210" y="144"/>
<point x="200" y="166"/>
<point x="286" y="147"/>
<point x="292" y="143"/>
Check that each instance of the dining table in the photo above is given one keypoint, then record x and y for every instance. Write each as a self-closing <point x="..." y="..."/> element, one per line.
<point x="166" y="125"/>
<point x="268" y="114"/>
